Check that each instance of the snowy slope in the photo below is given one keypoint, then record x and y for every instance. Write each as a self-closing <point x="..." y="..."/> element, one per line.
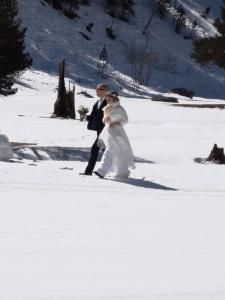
<point x="158" y="235"/>
<point x="51" y="37"/>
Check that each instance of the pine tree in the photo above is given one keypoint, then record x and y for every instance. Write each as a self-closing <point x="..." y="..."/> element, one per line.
<point x="103" y="62"/>
<point x="68" y="7"/>
<point x="111" y="7"/>
<point x="212" y="49"/>
<point x="13" y="58"/>
<point x="126" y="9"/>
<point x="206" y="12"/>
<point x="163" y="5"/>
<point x="180" y="19"/>
<point x="55" y="4"/>
<point x="193" y="28"/>
<point x="175" y="10"/>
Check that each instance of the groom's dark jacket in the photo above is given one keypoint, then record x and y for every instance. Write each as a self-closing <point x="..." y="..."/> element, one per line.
<point x="95" y="118"/>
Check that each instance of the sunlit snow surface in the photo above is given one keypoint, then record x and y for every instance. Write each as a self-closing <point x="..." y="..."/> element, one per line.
<point x="158" y="235"/>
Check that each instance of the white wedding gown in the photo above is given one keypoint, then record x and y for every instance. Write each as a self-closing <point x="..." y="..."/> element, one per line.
<point x="118" y="156"/>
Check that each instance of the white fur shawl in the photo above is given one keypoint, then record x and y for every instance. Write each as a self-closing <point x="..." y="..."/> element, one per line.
<point x="116" y="113"/>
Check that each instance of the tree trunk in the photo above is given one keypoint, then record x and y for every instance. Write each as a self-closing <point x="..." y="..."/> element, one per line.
<point x="71" y="100"/>
<point x="64" y="105"/>
<point x="217" y="155"/>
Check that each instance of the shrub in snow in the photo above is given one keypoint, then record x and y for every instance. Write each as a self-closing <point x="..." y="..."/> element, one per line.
<point x="84" y="35"/>
<point x="89" y="27"/>
<point x="70" y="13"/>
<point x="5" y="148"/>
<point x="110" y="33"/>
<point x="83" y="112"/>
<point x="141" y="59"/>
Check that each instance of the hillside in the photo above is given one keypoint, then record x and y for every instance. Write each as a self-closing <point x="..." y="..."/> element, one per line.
<point x="51" y="36"/>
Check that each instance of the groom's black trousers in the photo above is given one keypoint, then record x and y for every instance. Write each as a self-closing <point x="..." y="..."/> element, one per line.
<point x="95" y="123"/>
<point x="93" y="158"/>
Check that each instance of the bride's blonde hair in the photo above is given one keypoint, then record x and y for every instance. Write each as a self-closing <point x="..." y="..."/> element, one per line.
<point x="113" y="95"/>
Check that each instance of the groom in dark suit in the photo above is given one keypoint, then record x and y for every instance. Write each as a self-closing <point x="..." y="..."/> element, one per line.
<point x="95" y="123"/>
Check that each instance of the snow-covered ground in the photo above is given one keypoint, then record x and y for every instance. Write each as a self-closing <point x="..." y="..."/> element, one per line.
<point x="158" y="235"/>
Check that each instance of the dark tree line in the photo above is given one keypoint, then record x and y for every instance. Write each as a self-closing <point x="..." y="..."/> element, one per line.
<point x="212" y="49"/>
<point x="13" y="57"/>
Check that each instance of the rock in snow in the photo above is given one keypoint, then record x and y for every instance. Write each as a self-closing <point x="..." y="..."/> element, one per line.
<point x="5" y="148"/>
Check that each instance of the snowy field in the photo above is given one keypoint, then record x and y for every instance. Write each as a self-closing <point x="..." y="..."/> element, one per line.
<point x="156" y="236"/>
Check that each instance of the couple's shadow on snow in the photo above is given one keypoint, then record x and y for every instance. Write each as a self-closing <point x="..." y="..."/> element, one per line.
<point x="38" y="153"/>
<point x="143" y="183"/>
<point x="34" y="152"/>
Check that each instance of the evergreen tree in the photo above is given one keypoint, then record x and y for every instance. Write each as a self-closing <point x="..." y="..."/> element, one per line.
<point x="126" y="9"/>
<point x="74" y="3"/>
<point x="13" y="58"/>
<point x="206" y="12"/>
<point x="212" y="49"/>
<point x="121" y="9"/>
<point x="163" y="5"/>
<point x="175" y="11"/>
<point x="111" y="7"/>
<point x="103" y="62"/>
<point x="55" y="4"/>
<point x="180" y="18"/>
<point x="193" y="27"/>
<point x="68" y="7"/>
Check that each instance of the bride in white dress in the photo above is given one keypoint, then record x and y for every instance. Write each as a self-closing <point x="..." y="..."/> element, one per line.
<point x="118" y="155"/>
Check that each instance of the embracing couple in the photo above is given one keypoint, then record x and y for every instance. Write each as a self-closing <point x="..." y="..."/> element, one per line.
<point x="108" y="118"/>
